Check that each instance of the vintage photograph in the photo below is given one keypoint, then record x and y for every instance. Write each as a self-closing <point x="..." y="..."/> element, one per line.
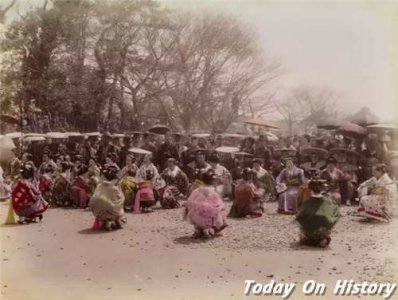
<point x="198" y="149"/>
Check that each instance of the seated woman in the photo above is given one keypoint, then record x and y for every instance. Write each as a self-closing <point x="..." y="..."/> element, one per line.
<point x="334" y="177"/>
<point x="263" y="180"/>
<point x="377" y="195"/>
<point x="288" y="183"/>
<point x="317" y="216"/>
<point x="80" y="189"/>
<point x="224" y="178"/>
<point x="176" y="185"/>
<point x="129" y="183"/>
<point x="108" y="200"/>
<point x="26" y="198"/>
<point x="145" y="196"/>
<point x="246" y="200"/>
<point x="62" y="185"/>
<point x="46" y="183"/>
<point x="204" y="207"/>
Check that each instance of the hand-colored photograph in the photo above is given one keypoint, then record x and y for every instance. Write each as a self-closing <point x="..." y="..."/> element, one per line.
<point x="198" y="149"/>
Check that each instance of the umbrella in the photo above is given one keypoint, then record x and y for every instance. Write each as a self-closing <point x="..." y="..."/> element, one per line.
<point x="261" y="122"/>
<point x="35" y="138"/>
<point x="91" y="134"/>
<point x="14" y="135"/>
<point x="6" y="146"/>
<point x="233" y="135"/>
<point x="33" y="135"/>
<point x="378" y="127"/>
<point x="201" y="135"/>
<point x="139" y="151"/>
<point x="351" y="130"/>
<point x="364" y="117"/>
<point x="271" y="137"/>
<point x="244" y="154"/>
<point x="56" y="135"/>
<point x="329" y="124"/>
<point x="227" y="149"/>
<point x="285" y="152"/>
<point x="159" y="129"/>
<point x="9" y="119"/>
<point x="73" y="134"/>
<point x="318" y="151"/>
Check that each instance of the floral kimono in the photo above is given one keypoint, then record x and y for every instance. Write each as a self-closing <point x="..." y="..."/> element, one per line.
<point x="61" y="190"/>
<point x="377" y="198"/>
<point x="333" y="180"/>
<point x="176" y="186"/>
<point x="27" y="200"/>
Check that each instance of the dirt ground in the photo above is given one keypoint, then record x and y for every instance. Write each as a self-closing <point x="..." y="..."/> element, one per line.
<point x="153" y="257"/>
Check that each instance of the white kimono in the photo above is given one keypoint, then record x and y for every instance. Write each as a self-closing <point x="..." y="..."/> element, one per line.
<point x="381" y="202"/>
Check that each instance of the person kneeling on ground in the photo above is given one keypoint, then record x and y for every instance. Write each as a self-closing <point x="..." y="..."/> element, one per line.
<point x="317" y="216"/>
<point x="204" y="207"/>
<point x="108" y="200"/>
<point x="26" y="198"/>
<point x="246" y="201"/>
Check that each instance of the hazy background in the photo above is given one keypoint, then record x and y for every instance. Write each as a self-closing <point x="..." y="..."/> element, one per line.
<point x="349" y="47"/>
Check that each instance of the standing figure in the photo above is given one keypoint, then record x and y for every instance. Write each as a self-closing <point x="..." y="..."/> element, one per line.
<point x="204" y="207"/>
<point x="288" y="183"/>
<point x="317" y="216"/>
<point x="26" y="198"/>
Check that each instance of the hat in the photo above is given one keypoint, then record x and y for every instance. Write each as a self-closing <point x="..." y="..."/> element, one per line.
<point x="332" y="160"/>
<point x="257" y="160"/>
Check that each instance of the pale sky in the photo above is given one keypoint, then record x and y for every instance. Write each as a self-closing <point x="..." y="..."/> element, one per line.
<point x="346" y="46"/>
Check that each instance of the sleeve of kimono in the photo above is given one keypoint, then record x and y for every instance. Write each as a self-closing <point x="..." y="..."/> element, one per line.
<point x="281" y="177"/>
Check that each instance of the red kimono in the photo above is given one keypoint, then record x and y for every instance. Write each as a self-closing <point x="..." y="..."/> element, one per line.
<point x="27" y="200"/>
<point x="80" y="191"/>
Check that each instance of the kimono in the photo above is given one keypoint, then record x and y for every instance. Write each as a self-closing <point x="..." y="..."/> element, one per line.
<point x="224" y="186"/>
<point x="333" y="180"/>
<point x="145" y="196"/>
<point x="46" y="184"/>
<point x="291" y="181"/>
<point x="176" y="186"/>
<point x="176" y="178"/>
<point x="142" y="173"/>
<point x="317" y="216"/>
<point x="80" y="192"/>
<point x="378" y="198"/>
<point x="204" y="207"/>
<point x="61" y="190"/>
<point x="265" y="182"/>
<point x="246" y="201"/>
<point x="129" y="188"/>
<point x="27" y="200"/>
<point x="107" y="202"/>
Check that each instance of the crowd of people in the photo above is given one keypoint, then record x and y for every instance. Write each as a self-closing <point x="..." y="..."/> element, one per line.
<point x="307" y="176"/>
